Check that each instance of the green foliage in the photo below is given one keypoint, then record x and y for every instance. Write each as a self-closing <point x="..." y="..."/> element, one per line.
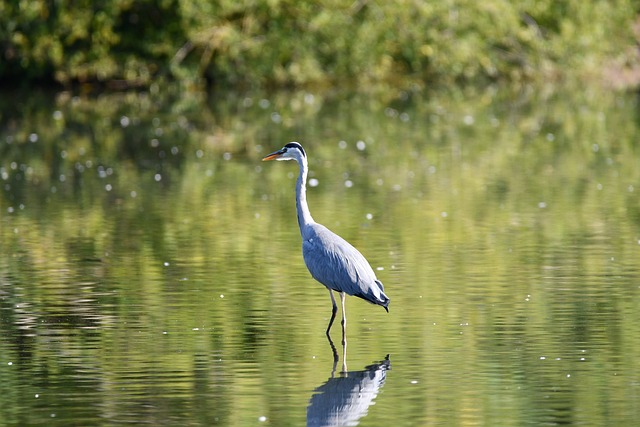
<point x="288" y="42"/>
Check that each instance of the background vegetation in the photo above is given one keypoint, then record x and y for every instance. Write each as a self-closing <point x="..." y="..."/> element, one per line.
<point x="289" y="42"/>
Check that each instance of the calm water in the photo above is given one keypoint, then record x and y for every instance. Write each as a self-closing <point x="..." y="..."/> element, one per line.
<point x="151" y="272"/>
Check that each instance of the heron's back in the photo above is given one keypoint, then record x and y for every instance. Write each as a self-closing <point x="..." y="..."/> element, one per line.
<point x="339" y="266"/>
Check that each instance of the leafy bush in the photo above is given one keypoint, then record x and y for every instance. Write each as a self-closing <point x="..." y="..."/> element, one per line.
<point x="289" y="42"/>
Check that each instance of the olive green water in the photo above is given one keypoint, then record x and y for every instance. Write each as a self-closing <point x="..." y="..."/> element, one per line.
<point x="151" y="268"/>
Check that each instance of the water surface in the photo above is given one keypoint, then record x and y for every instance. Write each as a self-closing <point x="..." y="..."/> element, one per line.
<point x="151" y="272"/>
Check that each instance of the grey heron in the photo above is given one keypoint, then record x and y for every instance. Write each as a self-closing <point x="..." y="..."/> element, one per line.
<point x="331" y="260"/>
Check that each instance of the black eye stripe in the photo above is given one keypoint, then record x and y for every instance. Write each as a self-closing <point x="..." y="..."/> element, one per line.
<point x="295" y="145"/>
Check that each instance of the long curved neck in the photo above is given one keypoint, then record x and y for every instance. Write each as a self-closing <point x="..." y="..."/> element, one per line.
<point x="304" y="216"/>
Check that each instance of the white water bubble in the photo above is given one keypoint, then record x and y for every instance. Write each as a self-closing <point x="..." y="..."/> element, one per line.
<point x="313" y="182"/>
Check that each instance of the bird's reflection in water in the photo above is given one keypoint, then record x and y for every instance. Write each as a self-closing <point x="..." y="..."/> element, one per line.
<point x="344" y="400"/>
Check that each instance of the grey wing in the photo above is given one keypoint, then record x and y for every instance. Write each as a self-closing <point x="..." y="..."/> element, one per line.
<point x="335" y="263"/>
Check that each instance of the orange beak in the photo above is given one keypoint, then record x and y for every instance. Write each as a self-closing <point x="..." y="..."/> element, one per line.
<point x="273" y="155"/>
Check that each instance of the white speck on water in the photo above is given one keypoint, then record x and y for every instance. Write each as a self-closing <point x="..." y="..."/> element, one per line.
<point x="444" y="214"/>
<point x="264" y="103"/>
<point x="221" y="296"/>
<point x="542" y="357"/>
<point x="414" y="382"/>
<point x="313" y="182"/>
<point x="124" y="121"/>
<point x="10" y="363"/>
<point x="133" y="194"/>
<point x="276" y="118"/>
<point x="468" y="120"/>
<point x="57" y="115"/>
<point x="582" y="359"/>
<point x="257" y="215"/>
<point x="155" y="143"/>
<point x="379" y="181"/>
<point x="404" y="117"/>
<point x="630" y="188"/>
<point x="348" y="183"/>
<point x="379" y="268"/>
<point x="37" y="395"/>
<point x="551" y="137"/>
<point x="542" y="205"/>
<point x="226" y="156"/>
<point x="262" y="418"/>
<point x="369" y="216"/>
<point x="157" y="177"/>
<point x="199" y="154"/>
<point x="164" y="332"/>
<point x="108" y="187"/>
<point x="33" y="137"/>
<point x="568" y="375"/>
<point x="342" y="144"/>
<point x="595" y="148"/>
<point x="361" y="145"/>
<point x="195" y="329"/>
<point x="166" y="264"/>
<point x="53" y="415"/>
<point x="599" y="186"/>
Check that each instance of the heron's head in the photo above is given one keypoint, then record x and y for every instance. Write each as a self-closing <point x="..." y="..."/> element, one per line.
<point x="291" y="151"/>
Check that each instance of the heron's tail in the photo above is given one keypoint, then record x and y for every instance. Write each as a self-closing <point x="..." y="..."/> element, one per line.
<point x="378" y="298"/>
<point x="384" y="299"/>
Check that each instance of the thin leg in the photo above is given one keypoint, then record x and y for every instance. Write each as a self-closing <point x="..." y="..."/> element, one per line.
<point x="344" y="333"/>
<point x="334" y="310"/>
<point x="344" y="319"/>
